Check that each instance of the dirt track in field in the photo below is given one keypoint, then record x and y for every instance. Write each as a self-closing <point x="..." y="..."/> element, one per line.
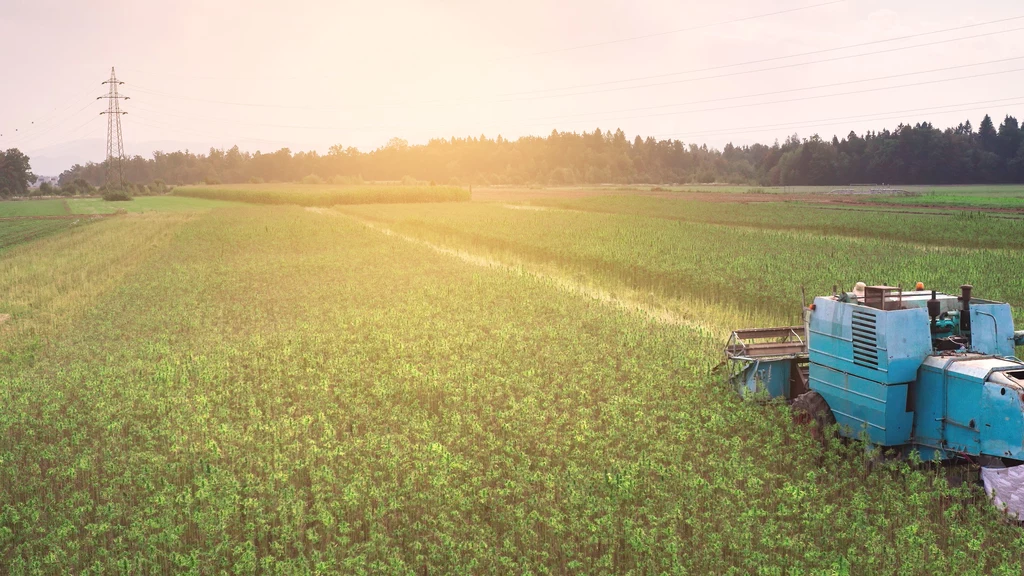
<point x="514" y="194"/>
<point x="621" y="298"/>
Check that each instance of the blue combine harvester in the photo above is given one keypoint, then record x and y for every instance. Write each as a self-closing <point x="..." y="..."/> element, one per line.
<point x="916" y="370"/>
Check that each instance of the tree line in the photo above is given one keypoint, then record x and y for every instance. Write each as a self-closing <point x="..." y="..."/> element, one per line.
<point x="909" y="154"/>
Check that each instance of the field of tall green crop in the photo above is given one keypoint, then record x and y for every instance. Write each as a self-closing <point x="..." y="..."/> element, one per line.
<point x="421" y="390"/>
<point x="945" y="227"/>
<point x="759" y="270"/>
<point x="325" y="195"/>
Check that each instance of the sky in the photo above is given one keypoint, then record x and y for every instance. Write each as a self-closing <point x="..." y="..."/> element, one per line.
<point x="308" y="74"/>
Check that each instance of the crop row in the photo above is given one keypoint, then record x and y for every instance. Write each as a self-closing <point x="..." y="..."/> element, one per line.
<point x="273" y="391"/>
<point x="14" y="232"/>
<point x="319" y="195"/>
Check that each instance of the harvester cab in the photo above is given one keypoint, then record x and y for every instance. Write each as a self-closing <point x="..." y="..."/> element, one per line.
<point x="917" y="370"/>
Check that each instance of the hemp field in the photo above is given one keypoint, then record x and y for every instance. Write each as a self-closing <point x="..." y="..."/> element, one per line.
<point x="457" y="388"/>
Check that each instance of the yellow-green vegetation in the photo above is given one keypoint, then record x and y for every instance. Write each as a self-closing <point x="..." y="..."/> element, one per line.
<point x="277" y="390"/>
<point x="144" y="204"/>
<point x="325" y="195"/>
<point x="49" y="282"/>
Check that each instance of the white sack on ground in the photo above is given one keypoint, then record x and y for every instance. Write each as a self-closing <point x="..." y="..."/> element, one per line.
<point x="1008" y="485"/>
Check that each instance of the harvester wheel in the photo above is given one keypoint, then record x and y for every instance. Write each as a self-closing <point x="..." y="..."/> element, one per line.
<point x="811" y="410"/>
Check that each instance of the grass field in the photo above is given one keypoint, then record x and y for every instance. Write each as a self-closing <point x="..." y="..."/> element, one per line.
<point x="1011" y="197"/>
<point x="325" y="195"/>
<point x="454" y="389"/>
<point x="14" y="208"/>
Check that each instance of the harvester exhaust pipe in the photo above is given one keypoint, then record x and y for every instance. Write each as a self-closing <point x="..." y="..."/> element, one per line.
<point x="934" y="310"/>
<point x="965" y="308"/>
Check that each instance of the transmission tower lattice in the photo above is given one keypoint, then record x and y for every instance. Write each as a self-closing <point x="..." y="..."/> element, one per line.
<point x="115" y="144"/>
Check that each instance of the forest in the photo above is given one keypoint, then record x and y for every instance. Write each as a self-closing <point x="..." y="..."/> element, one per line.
<point x="909" y="154"/>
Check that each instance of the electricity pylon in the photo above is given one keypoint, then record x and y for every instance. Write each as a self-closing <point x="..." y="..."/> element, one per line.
<point x="115" y="148"/>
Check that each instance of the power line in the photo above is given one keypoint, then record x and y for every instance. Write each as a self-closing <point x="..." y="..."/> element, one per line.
<point x="40" y="122"/>
<point x="67" y="137"/>
<point x="745" y="132"/>
<point x="745" y="72"/>
<point x="805" y="98"/>
<point x="709" y="68"/>
<point x="725" y="131"/>
<point x="548" y="120"/>
<point x="811" y="53"/>
<point x="261" y="124"/>
<point x="731" y="131"/>
<point x="29" y="137"/>
<point x="569" y="48"/>
<point x="653" y="85"/>
<point x="894" y="114"/>
<point x="166" y="95"/>
<point x="161" y="124"/>
<point x="773" y="93"/>
<point x="846" y="83"/>
<point x="164" y="126"/>
<point x="811" y="123"/>
<point x="670" y="32"/>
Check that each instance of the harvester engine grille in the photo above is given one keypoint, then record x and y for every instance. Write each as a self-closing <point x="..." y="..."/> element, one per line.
<point x="865" y="339"/>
